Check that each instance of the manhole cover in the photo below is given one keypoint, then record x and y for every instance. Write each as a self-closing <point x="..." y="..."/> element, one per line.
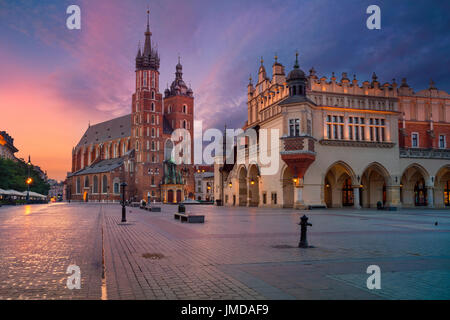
<point x="153" y="256"/>
<point x="283" y="246"/>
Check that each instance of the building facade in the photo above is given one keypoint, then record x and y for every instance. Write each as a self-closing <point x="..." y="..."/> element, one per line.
<point x="137" y="148"/>
<point x="204" y="183"/>
<point x="342" y="143"/>
<point x="7" y="148"/>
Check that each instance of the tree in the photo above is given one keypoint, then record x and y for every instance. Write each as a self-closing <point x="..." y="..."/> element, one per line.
<point x="13" y="175"/>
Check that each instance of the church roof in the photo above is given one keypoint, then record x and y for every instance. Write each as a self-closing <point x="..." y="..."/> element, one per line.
<point x="105" y="131"/>
<point x="100" y="167"/>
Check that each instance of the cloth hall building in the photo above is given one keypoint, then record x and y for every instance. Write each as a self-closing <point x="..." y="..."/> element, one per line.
<point x="136" y="148"/>
<point x="343" y="143"/>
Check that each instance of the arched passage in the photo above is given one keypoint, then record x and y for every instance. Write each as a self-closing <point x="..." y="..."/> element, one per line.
<point x="374" y="182"/>
<point x="338" y="186"/>
<point x="288" y="188"/>
<point x="442" y="187"/>
<point x="253" y="179"/>
<point x="242" y="178"/>
<point x="413" y="188"/>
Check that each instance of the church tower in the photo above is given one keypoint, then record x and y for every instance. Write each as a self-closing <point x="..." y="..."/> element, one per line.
<point x="147" y="121"/>
<point x="179" y="114"/>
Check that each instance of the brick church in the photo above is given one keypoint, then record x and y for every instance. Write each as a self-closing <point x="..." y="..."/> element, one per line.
<point x="137" y="148"/>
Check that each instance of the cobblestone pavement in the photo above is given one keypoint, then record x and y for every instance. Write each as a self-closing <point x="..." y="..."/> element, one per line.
<point x="39" y="242"/>
<point x="238" y="253"/>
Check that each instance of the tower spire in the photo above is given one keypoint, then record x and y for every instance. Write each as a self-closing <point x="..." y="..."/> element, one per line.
<point x="148" y="43"/>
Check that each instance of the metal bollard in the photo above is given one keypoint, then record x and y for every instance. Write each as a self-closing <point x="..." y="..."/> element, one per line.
<point x="303" y="229"/>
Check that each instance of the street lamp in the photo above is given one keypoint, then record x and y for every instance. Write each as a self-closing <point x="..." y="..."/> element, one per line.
<point x="29" y="180"/>
<point x="124" y="214"/>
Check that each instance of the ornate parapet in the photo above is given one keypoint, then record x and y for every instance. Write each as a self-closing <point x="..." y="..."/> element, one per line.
<point x="359" y="144"/>
<point x="422" y="153"/>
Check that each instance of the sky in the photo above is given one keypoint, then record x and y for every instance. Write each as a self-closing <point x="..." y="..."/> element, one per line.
<point x="55" y="81"/>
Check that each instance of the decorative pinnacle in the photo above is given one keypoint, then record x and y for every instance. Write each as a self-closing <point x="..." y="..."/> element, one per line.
<point x="296" y="60"/>
<point x="276" y="58"/>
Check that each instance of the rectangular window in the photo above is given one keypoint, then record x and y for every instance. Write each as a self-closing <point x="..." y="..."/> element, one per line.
<point x="350" y="132"/>
<point x="294" y="127"/>
<point x="335" y="127"/>
<point x="274" y="198"/>
<point x="415" y="140"/>
<point x="442" y="142"/>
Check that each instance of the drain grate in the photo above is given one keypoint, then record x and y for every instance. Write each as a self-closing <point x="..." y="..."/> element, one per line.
<point x="153" y="256"/>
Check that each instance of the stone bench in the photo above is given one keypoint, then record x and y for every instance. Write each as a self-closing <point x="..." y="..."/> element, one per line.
<point x="190" y="218"/>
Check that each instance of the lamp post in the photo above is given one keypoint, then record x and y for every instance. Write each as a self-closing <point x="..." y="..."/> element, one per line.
<point x="29" y="180"/>
<point x="124" y="214"/>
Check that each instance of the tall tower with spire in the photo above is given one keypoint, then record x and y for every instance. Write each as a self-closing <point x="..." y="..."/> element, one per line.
<point x="147" y="119"/>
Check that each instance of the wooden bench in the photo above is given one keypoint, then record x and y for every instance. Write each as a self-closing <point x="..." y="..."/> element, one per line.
<point x="189" y="218"/>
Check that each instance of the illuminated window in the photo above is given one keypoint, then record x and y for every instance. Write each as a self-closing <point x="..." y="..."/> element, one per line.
<point x="335" y="127"/>
<point x="356" y="127"/>
<point x="377" y="129"/>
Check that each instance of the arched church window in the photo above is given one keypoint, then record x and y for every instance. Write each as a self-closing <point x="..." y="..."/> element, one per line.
<point x="153" y="119"/>
<point x="78" y="185"/>
<point x="168" y="149"/>
<point x="153" y="106"/>
<point x="86" y="182"/>
<point x="95" y="184"/>
<point x="184" y="109"/>
<point x="153" y="94"/>
<point x="105" y="184"/>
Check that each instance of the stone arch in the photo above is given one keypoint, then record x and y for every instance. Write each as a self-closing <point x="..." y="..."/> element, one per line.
<point x="414" y="186"/>
<point x="242" y="186"/>
<point x="373" y="189"/>
<point x="442" y="187"/>
<point x="338" y="185"/>
<point x="287" y="184"/>
<point x="253" y="179"/>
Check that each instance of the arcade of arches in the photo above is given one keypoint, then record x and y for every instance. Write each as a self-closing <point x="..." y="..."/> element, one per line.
<point x="342" y="187"/>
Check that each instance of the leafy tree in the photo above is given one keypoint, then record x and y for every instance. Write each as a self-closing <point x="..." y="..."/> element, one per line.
<point x="13" y="175"/>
